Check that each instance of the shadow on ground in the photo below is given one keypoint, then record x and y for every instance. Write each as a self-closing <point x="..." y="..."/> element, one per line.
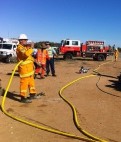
<point x="116" y="85"/>
<point x="16" y="74"/>
<point x="12" y="96"/>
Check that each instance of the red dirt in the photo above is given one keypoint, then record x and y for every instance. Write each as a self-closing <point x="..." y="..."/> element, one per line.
<point x="96" y="99"/>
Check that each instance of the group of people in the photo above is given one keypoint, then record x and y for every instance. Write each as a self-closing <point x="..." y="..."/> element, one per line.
<point x="31" y="66"/>
<point x="44" y="60"/>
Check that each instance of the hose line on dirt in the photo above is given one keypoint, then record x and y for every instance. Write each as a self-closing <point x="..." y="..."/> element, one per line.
<point x="74" y="110"/>
<point x="90" y="138"/>
<point x="32" y="124"/>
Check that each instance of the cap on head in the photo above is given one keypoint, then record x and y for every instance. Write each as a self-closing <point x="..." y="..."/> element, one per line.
<point x="23" y="36"/>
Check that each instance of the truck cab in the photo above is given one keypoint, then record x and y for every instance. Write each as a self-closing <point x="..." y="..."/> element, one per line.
<point x="70" y="48"/>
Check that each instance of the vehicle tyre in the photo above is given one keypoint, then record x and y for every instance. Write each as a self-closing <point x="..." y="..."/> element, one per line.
<point x="94" y="59"/>
<point x="101" y="57"/>
<point x="8" y="59"/>
<point x="14" y="60"/>
<point x="68" y="56"/>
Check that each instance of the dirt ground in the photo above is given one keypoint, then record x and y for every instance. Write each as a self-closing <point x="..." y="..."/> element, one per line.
<point x="97" y="100"/>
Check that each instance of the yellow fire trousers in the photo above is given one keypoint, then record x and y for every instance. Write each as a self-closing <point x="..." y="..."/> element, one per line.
<point x="25" y="84"/>
<point x="116" y="57"/>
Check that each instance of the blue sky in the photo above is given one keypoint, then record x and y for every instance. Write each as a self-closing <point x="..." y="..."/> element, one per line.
<point x="55" y="20"/>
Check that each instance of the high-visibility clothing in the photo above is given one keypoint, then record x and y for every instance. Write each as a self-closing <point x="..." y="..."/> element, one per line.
<point x="41" y="57"/>
<point x="26" y="68"/>
<point x="116" y="53"/>
<point x="25" y="83"/>
<point x="51" y="52"/>
<point x="41" y="70"/>
<point x="50" y="63"/>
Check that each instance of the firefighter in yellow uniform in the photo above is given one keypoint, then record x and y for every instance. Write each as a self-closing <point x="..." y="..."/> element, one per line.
<point x="116" y="54"/>
<point x="26" y="70"/>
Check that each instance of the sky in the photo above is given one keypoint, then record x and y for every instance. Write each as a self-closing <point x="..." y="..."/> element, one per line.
<point x="54" y="20"/>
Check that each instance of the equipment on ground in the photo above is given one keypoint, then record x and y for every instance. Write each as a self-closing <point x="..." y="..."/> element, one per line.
<point x="83" y="70"/>
<point x="91" y="49"/>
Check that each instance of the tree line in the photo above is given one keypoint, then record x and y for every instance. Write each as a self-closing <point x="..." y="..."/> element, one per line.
<point x="53" y="44"/>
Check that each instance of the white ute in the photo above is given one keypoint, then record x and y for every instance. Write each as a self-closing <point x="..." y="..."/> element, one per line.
<point x="8" y="52"/>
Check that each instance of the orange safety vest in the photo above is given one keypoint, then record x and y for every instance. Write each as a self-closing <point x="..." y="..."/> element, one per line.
<point x="41" y="56"/>
<point x="26" y="68"/>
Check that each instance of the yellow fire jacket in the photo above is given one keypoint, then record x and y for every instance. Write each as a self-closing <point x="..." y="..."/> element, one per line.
<point x="26" y="68"/>
<point x="116" y="52"/>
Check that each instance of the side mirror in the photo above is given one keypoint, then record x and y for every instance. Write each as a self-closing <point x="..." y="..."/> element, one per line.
<point x="14" y="48"/>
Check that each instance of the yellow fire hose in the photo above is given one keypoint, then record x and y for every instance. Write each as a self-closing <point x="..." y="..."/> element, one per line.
<point x="74" y="110"/>
<point x="91" y="137"/>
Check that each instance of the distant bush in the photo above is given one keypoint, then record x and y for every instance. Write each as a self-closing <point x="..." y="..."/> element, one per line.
<point x="54" y="44"/>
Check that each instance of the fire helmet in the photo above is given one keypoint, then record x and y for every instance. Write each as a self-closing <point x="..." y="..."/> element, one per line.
<point x="23" y="36"/>
<point x="29" y="42"/>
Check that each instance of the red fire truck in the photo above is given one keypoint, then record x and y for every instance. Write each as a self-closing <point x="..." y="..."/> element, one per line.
<point x="91" y="49"/>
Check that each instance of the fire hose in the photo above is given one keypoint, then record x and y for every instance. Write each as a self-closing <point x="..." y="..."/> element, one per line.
<point x="90" y="138"/>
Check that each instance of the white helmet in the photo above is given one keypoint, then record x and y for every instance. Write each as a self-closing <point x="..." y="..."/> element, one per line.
<point x="29" y="42"/>
<point x="23" y="36"/>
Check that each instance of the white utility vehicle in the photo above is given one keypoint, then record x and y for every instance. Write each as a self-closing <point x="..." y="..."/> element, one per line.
<point x="8" y="52"/>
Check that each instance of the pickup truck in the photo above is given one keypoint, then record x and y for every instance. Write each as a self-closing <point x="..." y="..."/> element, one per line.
<point x="8" y="52"/>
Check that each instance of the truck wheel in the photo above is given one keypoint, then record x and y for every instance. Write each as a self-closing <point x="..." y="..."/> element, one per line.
<point x="68" y="56"/>
<point x="100" y="57"/>
<point x="94" y="59"/>
<point x="8" y="59"/>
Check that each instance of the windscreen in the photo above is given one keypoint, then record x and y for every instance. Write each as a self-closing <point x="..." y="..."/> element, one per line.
<point x="5" y="46"/>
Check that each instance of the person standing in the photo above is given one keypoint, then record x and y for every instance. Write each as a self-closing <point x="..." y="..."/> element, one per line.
<point x="116" y="54"/>
<point x="41" y="56"/>
<point x="50" y="63"/>
<point x="26" y="70"/>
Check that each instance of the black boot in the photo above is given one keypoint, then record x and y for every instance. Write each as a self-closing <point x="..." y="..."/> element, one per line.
<point x="47" y="75"/>
<point x="25" y="100"/>
<point x="54" y="75"/>
<point x="34" y="96"/>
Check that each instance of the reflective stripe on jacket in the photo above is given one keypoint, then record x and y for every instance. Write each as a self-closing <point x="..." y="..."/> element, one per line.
<point x="51" y="52"/>
<point x="26" y="68"/>
<point x="41" y="56"/>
